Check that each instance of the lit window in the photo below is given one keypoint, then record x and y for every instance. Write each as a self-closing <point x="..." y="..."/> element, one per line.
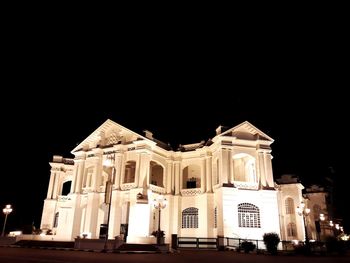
<point x="289" y="206"/>
<point x="190" y="218"/>
<point x="291" y="230"/>
<point x="248" y="215"/>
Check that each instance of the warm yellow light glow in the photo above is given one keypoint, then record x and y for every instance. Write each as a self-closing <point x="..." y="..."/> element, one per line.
<point x="322" y="217"/>
<point x="331" y="223"/>
<point x="345" y="237"/>
<point x="85" y="235"/>
<point x="15" y="233"/>
<point x="337" y="226"/>
<point x="108" y="161"/>
<point x="160" y="202"/>
<point x="7" y="209"/>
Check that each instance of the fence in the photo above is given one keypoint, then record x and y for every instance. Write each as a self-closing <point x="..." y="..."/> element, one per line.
<point x="224" y="242"/>
<point x="196" y="242"/>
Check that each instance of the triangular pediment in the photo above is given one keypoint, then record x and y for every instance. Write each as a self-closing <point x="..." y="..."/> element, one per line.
<point x="247" y="131"/>
<point x="108" y="134"/>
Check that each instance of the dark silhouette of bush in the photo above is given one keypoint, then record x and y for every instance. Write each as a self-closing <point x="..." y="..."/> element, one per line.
<point x="247" y="246"/>
<point x="271" y="241"/>
<point x="334" y="245"/>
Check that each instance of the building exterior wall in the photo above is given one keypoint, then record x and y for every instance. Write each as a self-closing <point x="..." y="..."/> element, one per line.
<point x="234" y="169"/>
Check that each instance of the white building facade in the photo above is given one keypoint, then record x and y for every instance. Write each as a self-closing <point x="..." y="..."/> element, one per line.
<point x="222" y="187"/>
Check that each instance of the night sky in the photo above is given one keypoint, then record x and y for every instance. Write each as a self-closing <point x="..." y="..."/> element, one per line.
<point x="58" y="94"/>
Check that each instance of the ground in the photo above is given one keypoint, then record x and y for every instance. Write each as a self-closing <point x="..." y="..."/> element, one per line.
<point x="21" y="255"/>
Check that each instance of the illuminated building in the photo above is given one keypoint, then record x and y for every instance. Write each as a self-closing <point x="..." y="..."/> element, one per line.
<point x="221" y="187"/>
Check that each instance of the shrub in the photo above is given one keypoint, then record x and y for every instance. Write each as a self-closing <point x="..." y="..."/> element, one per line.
<point x="247" y="246"/>
<point x="271" y="241"/>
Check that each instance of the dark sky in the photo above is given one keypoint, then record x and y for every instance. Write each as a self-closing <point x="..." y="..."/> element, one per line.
<point x="60" y="91"/>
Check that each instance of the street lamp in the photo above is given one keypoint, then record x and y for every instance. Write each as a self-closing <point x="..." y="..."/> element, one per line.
<point x="159" y="203"/>
<point x="322" y="219"/>
<point x="7" y="210"/>
<point x="109" y="162"/>
<point x="303" y="211"/>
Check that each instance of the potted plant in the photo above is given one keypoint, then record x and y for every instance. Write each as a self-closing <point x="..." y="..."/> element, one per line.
<point x="159" y="235"/>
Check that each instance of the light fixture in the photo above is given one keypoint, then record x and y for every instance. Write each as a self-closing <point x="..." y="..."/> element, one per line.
<point x="7" y="210"/>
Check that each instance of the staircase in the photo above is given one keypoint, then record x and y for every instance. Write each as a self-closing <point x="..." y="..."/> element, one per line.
<point x="137" y="248"/>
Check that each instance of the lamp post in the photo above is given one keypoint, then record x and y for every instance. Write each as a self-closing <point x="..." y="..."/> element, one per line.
<point x="322" y="218"/>
<point x="303" y="211"/>
<point x="109" y="162"/>
<point x="7" y="210"/>
<point x="159" y="203"/>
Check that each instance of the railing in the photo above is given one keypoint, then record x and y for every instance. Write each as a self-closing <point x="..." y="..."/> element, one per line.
<point x="216" y="243"/>
<point x="63" y="198"/>
<point x="246" y="185"/>
<point x="157" y="189"/>
<point x="236" y="242"/>
<point x="128" y="186"/>
<point x="191" y="192"/>
<point x="196" y="242"/>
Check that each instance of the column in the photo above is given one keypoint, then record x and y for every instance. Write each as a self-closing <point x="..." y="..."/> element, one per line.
<point x="144" y="169"/>
<point x="209" y="174"/>
<point x="118" y="164"/>
<point x="261" y="166"/>
<point x="55" y="185"/>
<point x="268" y="167"/>
<point x="97" y="174"/>
<point x="80" y="175"/>
<point x="92" y="209"/>
<point x="51" y="183"/>
<point x="224" y="166"/>
<point x="74" y="179"/>
<point x="137" y="168"/>
<point x="178" y="174"/>
<point x="168" y="177"/>
<point x="203" y="175"/>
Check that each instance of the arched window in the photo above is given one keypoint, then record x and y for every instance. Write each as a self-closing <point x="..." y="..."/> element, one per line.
<point x="289" y="206"/>
<point x="55" y="221"/>
<point x="248" y="215"/>
<point x="130" y="168"/>
<point x="156" y="174"/>
<point x="190" y="218"/>
<point x="191" y="176"/>
<point x="66" y="187"/>
<point x="244" y="168"/>
<point x="291" y="230"/>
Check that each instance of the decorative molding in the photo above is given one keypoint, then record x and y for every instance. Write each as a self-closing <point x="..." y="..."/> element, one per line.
<point x="63" y="198"/>
<point x="246" y="185"/>
<point x="157" y="189"/>
<point x="191" y="192"/>
<point x="128" y="186"/>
